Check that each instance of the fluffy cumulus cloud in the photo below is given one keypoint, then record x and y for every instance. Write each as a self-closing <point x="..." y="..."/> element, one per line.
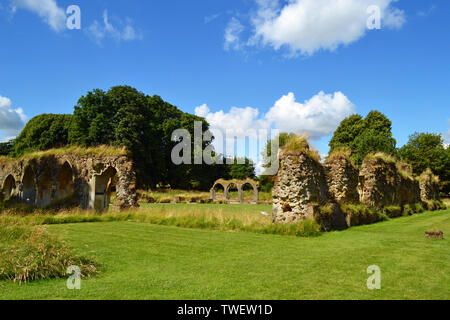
<point x="240" y="122"/>
<point x="307" y="26"/>
<point x="317" y="117"/>
<point x="99" y="31"/>
<point x="48" y="10"/>
<point x="11" y="120"/>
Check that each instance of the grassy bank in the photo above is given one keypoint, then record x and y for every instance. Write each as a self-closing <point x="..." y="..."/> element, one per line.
<point x="143" y="261"/>
<point x="243" y="218"/>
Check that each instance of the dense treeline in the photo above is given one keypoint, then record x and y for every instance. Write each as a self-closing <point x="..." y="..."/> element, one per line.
<point x="123" y="116"/>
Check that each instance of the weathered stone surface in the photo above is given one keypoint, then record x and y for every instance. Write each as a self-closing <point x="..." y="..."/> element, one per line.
<point x="88" y="179"/>
<point x="301" y="181"/>
<point x="330" y="193"/>
<point x="342" y="179"/>
<point x="429" y="186"/>
<point x="382" y="185"/>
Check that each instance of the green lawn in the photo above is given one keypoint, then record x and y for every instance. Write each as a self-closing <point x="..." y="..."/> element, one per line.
<point x="142" y="261"/>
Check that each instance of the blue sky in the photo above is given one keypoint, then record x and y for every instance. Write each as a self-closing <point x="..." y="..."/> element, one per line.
<point x="292" y="65"/>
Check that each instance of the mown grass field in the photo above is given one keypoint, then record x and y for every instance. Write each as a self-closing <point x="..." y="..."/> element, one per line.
<point x="144" y="261"/>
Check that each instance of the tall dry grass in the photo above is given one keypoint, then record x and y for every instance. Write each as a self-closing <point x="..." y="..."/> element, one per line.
<point x="28" y="252"/>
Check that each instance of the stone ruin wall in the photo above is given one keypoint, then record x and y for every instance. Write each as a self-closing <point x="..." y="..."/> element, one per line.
<point x="86" y="179"/>
<point x="303" y="184"/>
<point x="382" y="184"/>
<point x="300" y="184"/>
<point x="342" y="179"/>
<point x="429" y="186"/>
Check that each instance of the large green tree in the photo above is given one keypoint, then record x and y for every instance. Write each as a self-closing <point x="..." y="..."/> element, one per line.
<point x="427" y="150"/>
<point x="364" y="135"/>
<point x="43" y="132"/>
<point x="144" y="124"/>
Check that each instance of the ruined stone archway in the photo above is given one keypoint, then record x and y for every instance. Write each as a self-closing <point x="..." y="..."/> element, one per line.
<point x="28" y="194"/>
<point x="64" y="182"/>
<point x="227" y="184"/>
<point x="41" y="180"/>
<point x="103" y="185"/>
<point x="254" y="187"/>
<point x="215" y="189"/>
<point x="232" y="187"/>
<point x="8" y="188"/>
<point x="45" y="187"/>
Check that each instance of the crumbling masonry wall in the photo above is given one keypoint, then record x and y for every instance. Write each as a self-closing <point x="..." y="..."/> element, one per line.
<point x="300" y="184"/>
<point x="87" y="180"/>
<point x="342" y="179"/>
<point x="303" y="184"/>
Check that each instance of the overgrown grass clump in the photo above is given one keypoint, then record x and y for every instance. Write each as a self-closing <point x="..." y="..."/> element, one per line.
<point x="29" y="252"/>
<point x="380" y="155"/>
<point x="102" y="150"/>
<point x="299" y="144"/>
<point x="393" y="211"/>
<point x="360" y="214"/>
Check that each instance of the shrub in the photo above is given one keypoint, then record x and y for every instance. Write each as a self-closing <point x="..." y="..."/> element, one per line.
<point x="393" y="211"/>
<point x="408" y="210"/>
<point x="418" y="208"/>
<point x="430" y="205"/>
<point x="359" y="214"/>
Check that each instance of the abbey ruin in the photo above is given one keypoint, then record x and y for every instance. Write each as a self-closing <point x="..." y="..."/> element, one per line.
<point x="86" y="181"/>
<point x="304" y="186"/>
<point x="239" y="185"/>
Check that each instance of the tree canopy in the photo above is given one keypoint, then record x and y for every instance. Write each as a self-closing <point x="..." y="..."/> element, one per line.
<point x="427" y="150"/>
<point x="364" y="136"/>
<point x="43" y="132"/>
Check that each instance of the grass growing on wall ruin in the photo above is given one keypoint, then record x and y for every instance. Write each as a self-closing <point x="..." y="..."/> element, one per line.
<point x="75" y="150"/>
<point x="143" y="261"/>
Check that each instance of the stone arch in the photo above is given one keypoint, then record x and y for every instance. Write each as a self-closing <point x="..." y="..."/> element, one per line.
<point x="239" y="190"/>
<point x="254" y="187"/>
<point x="29" y="186"/>
<point x="103" y="185"/>
<point x="64" y="182"/>
<point x="45" y="187"/>
<point x="214" y="189"/>
<point x="8" y="187"/>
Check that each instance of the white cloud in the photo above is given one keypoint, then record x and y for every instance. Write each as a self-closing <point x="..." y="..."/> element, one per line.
<point x="233" y="33"/>
<point x="307" y="26"/>
<point x="100" y="31"/>
<point x="318" y="116"/>
<point x="11" y="120"/>
<point x="48" y="10"/>
<point x="238" y="121"/>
